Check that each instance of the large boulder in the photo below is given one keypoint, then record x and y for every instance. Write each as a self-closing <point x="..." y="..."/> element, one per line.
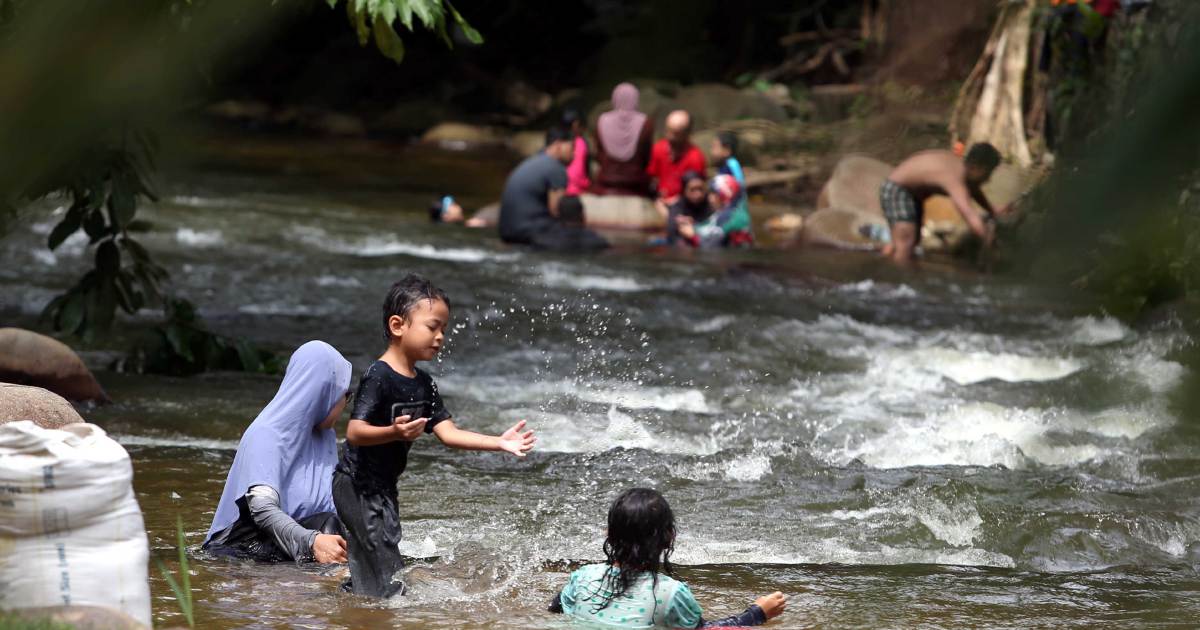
<point x="621" y="212"/>
<point x="45" y="409"/>
<point x="855" y="184"/>
<point x="460" y="136"/>
<point x="27" y="358"/>
<point x="712" y="103"/>
<point x="843" y="228"/>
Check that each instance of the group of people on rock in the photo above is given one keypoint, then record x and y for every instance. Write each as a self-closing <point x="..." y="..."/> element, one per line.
<point x="540" y="205"/>
<point x="292" y="495"/>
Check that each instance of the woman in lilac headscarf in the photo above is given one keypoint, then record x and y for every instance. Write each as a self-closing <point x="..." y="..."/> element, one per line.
<point x="278" y="498"/>
<point x="624" y="136"/>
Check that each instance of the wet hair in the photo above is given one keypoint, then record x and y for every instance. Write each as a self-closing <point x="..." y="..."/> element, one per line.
<point x="571" y="116"/>
<point x="404" y="296"/>
<point x="984" y="156"/>
<point x="729" y="140"/>
<point x="557" y="134"/>
<point x="641" y="537"/>
<point x="435" y="210"/>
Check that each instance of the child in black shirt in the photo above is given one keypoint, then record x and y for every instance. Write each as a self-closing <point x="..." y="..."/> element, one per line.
<point x="415" y="314"/>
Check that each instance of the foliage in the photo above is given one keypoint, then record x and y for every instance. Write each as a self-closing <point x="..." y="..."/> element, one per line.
<point x="376" y="19"/>
<point x="182" y="588"/>
<point x="104" y="184"/>
<point x="1120" y="218"/>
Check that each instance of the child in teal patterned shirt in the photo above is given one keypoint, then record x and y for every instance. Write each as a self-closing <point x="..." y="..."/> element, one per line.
<point x="628" y="590"/>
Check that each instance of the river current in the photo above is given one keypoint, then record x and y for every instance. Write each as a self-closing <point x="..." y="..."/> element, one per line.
<point x="890" y="448"/>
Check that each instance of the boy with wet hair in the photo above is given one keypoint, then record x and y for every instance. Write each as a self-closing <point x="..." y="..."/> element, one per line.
<point x="938" y="172"/>
<point x="415" y="315"/>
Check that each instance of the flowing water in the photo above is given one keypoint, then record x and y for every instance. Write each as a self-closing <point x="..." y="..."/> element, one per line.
<point x="892" y="449"/>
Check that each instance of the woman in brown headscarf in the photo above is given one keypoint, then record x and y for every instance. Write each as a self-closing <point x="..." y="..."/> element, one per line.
<point x="623" y="139"/>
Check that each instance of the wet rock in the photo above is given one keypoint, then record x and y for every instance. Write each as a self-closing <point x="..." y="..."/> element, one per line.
<point x="842" y="228"/>
<point x="240" y="111"/>
<point x="320" y="121"/>
<point x="526" y="143"/>
<point x="460" y="136"/>
<point x="526" y="100"/>
<point x="46" y="409"/>
<point x="27" y="358"/>
<point x="711" y="103"/>
<point x="785" y="227"/>
<point x="854" y="185"/>
<point x="409" y="118"/>
<point x="831" y="103"/>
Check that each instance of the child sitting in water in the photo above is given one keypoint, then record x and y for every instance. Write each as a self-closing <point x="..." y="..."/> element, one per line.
<point x="415" y="314"/>
<point x="727" y="226"/>
<point x="628" y="591"/>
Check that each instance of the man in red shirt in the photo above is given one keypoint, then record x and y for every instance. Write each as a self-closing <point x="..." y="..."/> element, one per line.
<point x="673" y="156"/>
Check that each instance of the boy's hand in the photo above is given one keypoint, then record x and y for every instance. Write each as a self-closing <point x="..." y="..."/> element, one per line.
<point x="772" y="605"/>
<point x="516" y="442"/>
<point x="329" y="548"/>
<point x="408" y="429"/>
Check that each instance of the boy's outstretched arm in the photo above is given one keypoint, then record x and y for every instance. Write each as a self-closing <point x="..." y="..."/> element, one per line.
<point x="514" y="440"/>
<point x="363" y="433"/>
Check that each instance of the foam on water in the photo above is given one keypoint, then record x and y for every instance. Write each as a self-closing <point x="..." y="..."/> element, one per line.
<point x="199" y="238"/>
<point x="713" y="324"/>
<point x="968" y="368"/>
<point x="899" y="291"/>
<point x="377" y="246"/>
<point x="984" y="434"/>
<point x="175" y="442"/>
<point x="1097" y="331"/>
<point x="563" y="278"/>
<point x="624" y="394"/>
<point x="560" y="433"/>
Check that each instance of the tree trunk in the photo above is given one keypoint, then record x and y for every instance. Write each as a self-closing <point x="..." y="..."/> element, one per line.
<point x="991" y="104"/>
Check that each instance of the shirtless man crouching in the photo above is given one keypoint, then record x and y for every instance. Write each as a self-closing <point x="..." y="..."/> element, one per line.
<point x="938" y="172"/>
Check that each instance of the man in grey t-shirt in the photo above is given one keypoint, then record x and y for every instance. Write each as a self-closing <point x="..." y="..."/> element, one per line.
<point x="533" y="208"/>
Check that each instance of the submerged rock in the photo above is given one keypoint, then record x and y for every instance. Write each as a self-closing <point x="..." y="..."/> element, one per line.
<point x="460" y="136"/>
<point x="27" y="358"/>
<point x="45" y="409"/>
<point x="843" y="228"/>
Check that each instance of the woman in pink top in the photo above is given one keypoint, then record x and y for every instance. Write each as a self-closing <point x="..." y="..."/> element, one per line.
<point x="577" y="171"/>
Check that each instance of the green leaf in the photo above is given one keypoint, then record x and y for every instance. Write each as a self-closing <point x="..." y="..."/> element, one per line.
<point x="248" y="355"/>
<point x="127" y="296"/>
<point x="94" y="225"/>
<point x="387" y="41"/>
<point x="136" y="250"/>
<point x="332" y="4"/>
<point x="405" y="13"/>
<point x="469" y="31"/>
<point x="359" y="20"/>
<point x="177" y="336"/>
<point x="71" y="315"/>
<point x="108" y="259"/>
<point x="102" y="305"/>
<point x="388" y="12"/>
<point x="66" y="227"/>
<point x="430" y="12"/>
<point x="122" y="203"/>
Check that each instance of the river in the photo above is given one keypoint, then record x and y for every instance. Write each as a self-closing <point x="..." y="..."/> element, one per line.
<point x="891" y="449"/>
